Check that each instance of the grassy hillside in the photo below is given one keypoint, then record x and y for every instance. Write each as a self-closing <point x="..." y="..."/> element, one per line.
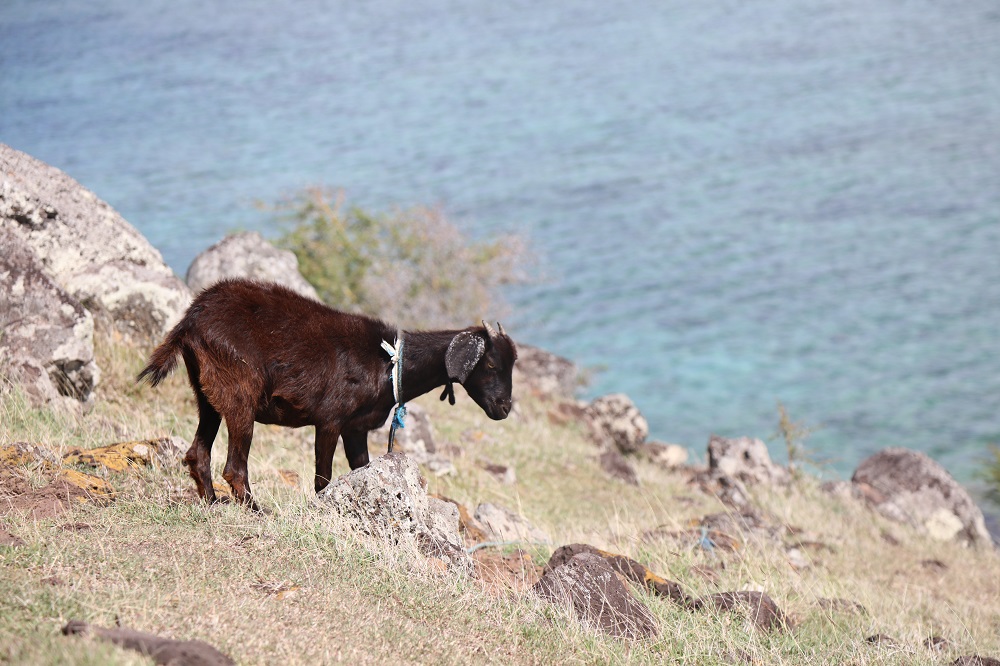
<point x="296" y="586"/>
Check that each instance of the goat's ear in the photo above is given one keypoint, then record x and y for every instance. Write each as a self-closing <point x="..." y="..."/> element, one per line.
<point x="464" y="352"/>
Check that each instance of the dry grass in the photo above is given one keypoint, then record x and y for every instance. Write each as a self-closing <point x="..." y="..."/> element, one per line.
<point x="297" y="587"/>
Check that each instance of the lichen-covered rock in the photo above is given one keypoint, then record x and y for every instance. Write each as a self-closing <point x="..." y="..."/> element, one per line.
<point x="388" y="499"/>
<point x="247" y="255"/>
<point x="46" y="336"/>
<point x="87" y="248"/>
<point x="745" y="459"/>
<point x="616" y="420"/>
<point x="24" y="454"/>
<point x="591" y="589"/>
<point x="632" y="570"/>
<point x="545" y="373"/>
<point x="502" y="524"/>
<point x="909" y="487"/>
<point x="121" y="456"/>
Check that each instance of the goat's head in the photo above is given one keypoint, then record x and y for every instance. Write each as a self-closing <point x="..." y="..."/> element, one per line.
<point x="481" y="360"/>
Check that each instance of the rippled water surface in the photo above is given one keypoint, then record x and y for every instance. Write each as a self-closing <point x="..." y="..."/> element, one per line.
<point x="734" y="203"/>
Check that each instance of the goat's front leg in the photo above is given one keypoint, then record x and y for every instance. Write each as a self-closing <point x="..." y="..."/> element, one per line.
<point x="326" y="444"/>
<point x="356" y="448"/>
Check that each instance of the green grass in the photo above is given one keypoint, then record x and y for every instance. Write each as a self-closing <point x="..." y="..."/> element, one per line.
<point x="155" y="560"/>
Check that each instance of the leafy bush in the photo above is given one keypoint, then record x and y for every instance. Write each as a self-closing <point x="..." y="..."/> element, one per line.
<point x="412" y="266"/>
<point x="990" y="473"/>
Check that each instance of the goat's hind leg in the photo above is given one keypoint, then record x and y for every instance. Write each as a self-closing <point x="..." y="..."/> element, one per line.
<point x="199" y="456"/>
<point x="240" y="428"/>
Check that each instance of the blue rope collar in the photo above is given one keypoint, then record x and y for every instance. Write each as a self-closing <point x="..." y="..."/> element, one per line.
<point x="396" y="377"/>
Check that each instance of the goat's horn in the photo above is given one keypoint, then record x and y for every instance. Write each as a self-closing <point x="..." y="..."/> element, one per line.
<point x="489" y="330"/>
<point x="500" y="328"/>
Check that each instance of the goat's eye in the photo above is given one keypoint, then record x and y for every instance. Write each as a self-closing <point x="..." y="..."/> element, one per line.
<point x="490" y="366"/>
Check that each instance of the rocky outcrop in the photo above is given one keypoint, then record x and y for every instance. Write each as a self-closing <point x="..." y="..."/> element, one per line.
<point x="908" y="487"/>
<point x="388" y="499"/>
<point x="247" y="255"/>
<point x="46" y="336"/>
<point x="745" y="459"/>
<point x="87" y="248"/>
<point x="596" y="596"/>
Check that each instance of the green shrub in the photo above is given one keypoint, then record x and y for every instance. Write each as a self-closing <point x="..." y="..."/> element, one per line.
<point x="990" y="473"/>
<point x="410" y="266"/>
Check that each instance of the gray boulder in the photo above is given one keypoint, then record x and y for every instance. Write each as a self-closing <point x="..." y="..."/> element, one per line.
<point x="46" y="336"/>
<point x="388" y="499"/>
<point x="588" y="586"/>
<point x="908" y="487"/>
<point x="614" y="419"/>
<point x="87" y="248"/>
<point x="744" y="459"/>
<point x="247" y="255"/>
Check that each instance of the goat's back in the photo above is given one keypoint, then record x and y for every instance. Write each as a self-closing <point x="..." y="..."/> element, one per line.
<point x="255" y="341"/>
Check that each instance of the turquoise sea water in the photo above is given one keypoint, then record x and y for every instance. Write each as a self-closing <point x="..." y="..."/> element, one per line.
<point x="734" y="203"/>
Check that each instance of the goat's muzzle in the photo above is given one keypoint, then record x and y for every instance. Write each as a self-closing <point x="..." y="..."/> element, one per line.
<point x="499" y="409"/>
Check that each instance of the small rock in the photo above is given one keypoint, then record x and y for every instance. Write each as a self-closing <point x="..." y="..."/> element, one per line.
<point x="597" y="597"/>
<point x="503" y="473"/>
<point x="882" y="639"/>
<point x="118" y="457"/>
<point x="289" y="477"/>
<point x="669" y="456"/>
<point x="502" y="524"/>
<point x="842" y="606"/>
<point x="614" y="419"/>
<point x="23" y="454"/>
<point x="467" y="524"/>
<point x="936" y="643"/>
<point x="388" y="499"/>
<point x="975" y="660"/>
<point x="634" y="571"/>
<point x="745" y="459"/>
<point x="279" y="589"/>
<point x="762" y="610"/>
<point x="617" y="467"/>
<point x="160" y="650"/>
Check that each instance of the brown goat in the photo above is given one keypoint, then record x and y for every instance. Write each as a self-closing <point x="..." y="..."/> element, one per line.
<point x="260" y="352"/>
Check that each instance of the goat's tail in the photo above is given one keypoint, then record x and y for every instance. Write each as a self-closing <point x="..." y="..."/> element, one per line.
<point x="164" y="358"/>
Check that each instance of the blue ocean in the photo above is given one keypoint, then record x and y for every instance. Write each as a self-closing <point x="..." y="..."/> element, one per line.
<point x="733" y="204"/>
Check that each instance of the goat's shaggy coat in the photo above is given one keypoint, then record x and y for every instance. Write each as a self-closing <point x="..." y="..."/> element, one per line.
<point x="260" y="352"/>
